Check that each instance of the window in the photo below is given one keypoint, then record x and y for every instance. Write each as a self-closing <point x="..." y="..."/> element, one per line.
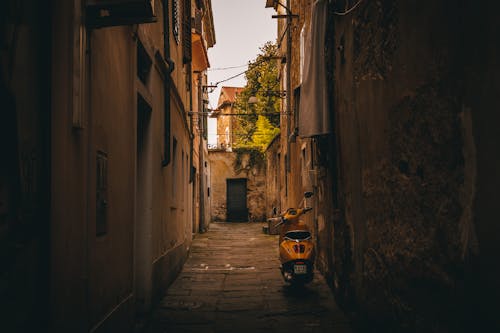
<point x="167" y="129"/>
<point x="277" y="173"/>
<point x="305" y="166"/>
<point x="166" y="99"/>
<point x="101" y="193"/>
<point x="296" y="107"/>
<point x="186" y="33"/>
<point x="181" y="191"/>
<point x="302" y="51"/>
<point x="144" y="63"/>
<point x="174" y="166"/>
<point x="285" y="161"/>
<point x="205" y="127"/>
<point x="176" y="9"/>
<point x="186" y="179"/>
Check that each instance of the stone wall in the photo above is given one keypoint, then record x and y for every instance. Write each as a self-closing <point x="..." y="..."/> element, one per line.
<point x="222" y="165"/>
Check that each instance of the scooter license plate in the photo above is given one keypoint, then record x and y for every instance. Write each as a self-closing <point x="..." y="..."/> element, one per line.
<point x="300" y="269"/>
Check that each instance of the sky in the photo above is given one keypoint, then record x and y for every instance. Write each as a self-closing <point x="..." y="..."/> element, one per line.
<point x="241" y="27"/>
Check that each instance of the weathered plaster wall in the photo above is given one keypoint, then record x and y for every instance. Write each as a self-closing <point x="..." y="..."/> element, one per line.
<point x="222" y="168"/>
<point x="310" y="159"/>
<point x="273" y="168"/>
<point x="172" y="198"/>
<point x="62" y="112"/>
<point x="408" y="113"/>
<point x="225" y="128"/>
<point x="110" y="256"/>
<point x="404" y="188"/>
<point x="136" y="180"/>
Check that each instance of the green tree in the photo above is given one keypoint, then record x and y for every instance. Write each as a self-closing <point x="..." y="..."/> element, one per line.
<point x="263" y="84"/>
<point x="264" y="132"/>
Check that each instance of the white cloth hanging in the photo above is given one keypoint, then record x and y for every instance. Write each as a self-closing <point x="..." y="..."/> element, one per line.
<point x="314" y="118"/>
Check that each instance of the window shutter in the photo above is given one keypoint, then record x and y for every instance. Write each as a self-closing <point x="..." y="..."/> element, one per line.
<point x="186" y="32"/>
<point x="175" y="19"/>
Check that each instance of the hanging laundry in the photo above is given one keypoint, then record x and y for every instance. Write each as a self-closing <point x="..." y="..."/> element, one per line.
<point x="314" y="118"/>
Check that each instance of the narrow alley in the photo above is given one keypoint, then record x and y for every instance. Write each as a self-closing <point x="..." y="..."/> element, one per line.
<point x="231" y="283"/>
<point x="146" y="145"/>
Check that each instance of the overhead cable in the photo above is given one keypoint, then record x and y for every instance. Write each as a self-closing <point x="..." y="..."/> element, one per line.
<point x="225" y="68"/>
<point x="349" y="10"/>
<point x="256" y="63"/>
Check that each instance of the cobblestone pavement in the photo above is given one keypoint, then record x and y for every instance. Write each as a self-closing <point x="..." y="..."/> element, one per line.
<point x="231" y="283"/>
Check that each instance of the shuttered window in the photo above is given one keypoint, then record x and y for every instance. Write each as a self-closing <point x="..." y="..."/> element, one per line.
<point x="186" y="32"/>
<point x="176" y="10"/>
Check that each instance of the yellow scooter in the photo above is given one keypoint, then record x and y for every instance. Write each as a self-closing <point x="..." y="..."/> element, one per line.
<point x="296" y="247"/>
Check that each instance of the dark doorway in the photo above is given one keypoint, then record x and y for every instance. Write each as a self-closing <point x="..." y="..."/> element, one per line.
<point x="144" y="199"/>
<point x="237" y="210"/>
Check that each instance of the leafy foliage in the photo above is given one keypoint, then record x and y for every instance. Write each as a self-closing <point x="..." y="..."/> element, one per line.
<point x="264" y="132"/>
<point x="262" y="123"/>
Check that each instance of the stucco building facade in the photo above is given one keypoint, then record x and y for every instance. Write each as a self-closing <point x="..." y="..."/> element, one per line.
<point x="402" y="185"/>
<point x="98" y="192"/>
<point x="227" y="128"/>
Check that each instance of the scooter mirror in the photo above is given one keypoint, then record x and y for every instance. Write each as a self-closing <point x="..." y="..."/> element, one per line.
<point x="308" y="194"/>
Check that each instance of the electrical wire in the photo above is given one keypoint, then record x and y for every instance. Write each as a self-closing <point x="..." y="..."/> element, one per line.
<point x="225" y="68"/>
<point x="349" y="10"/>
<point x="229" y="78"/>
<point x="256" y="63"/>
<point x="236" y="134"/>
<point x="244" y="72"/>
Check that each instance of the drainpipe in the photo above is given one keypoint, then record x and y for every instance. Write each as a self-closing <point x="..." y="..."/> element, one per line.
<point x="166" y="55"/>
<point x="288" y="73"/>
<point x="201" y="172"/>
<point x="288" y="79"/>
<point x="288" y="96"/>
<point x="191" y="151"/>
